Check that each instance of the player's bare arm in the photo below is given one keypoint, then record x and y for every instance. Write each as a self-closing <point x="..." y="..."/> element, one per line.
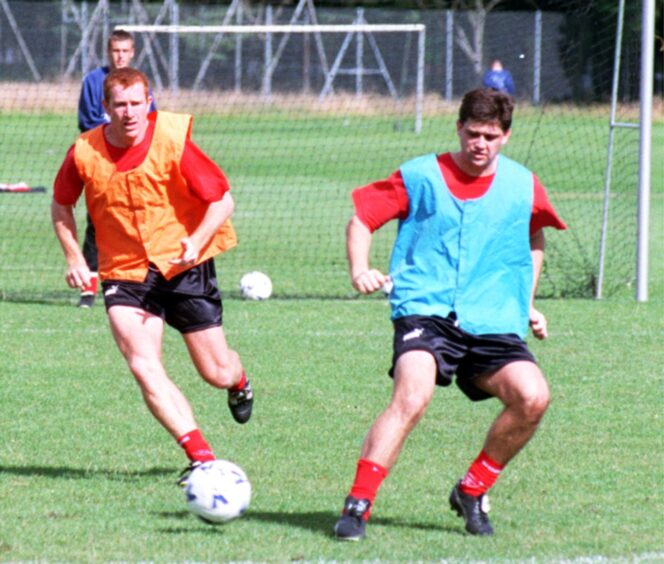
<point x="537" y="319"/>
<point x="215" y="216"/>
<point x="358" y="243"/>
<point x="64" y="224"/>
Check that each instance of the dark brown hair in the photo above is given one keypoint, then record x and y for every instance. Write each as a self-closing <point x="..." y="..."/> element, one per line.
<point x="487" y="105"/>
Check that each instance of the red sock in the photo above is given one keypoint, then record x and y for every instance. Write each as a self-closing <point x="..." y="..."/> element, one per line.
<point x="481" y="475"/>
<point x="368" y="478"/>
<point x="196" y="447"/>
<point x="241" y="384"/>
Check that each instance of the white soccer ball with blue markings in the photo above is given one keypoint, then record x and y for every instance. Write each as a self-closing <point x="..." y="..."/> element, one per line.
<point x="256" y="286"/>
<point x="218" y="491"/>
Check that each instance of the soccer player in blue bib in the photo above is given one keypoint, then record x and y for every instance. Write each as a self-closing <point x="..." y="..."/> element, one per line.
<point x="468" y="253"/>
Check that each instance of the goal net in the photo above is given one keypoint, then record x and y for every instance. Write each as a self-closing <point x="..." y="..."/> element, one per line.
<point x="300" y="110"/>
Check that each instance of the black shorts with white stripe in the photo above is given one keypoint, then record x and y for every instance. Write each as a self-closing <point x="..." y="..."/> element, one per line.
<point x="188" y="302"/>
<point x="456" y="351"/>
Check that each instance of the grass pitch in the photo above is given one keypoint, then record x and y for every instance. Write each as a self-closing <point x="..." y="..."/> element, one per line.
<point x="87" y="475"/>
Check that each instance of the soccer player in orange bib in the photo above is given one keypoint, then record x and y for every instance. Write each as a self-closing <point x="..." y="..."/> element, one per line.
<point x="464" y="268"/>
<point x="161" y="209"/>
<point x="91" y="113"/>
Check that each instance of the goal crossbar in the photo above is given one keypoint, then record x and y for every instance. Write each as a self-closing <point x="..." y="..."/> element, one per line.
<point x="268" y="29"/>
<point x="274" y="28"/>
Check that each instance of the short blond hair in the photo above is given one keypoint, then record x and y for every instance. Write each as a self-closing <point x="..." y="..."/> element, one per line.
<point x="119" y="35"/>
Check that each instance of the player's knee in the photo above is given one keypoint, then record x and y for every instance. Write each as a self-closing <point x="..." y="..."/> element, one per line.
<point x="534" y="403"/>
<point x="411" y="408"/>
<point x="146" y="371"/>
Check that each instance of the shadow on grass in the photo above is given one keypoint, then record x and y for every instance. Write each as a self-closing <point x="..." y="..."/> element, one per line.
<point x="320" y="522"/>
<point x="323" y="521"/>
<point x="69" y="473"/>
<point x="187" y="519"/>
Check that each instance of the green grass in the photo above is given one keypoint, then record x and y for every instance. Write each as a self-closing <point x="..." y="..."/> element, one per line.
<point x="86" y="475"/>
<point x="292" y="174"/>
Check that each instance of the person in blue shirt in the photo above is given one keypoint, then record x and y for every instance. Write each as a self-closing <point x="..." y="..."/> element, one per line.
<point x="499" y="78"/>
<point x="91" y="114"/>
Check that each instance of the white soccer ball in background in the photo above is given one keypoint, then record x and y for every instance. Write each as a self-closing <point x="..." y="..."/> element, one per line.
<point x="256" y="286"/>
<point x="218" y="491"/>
<point x="387" y="286"/>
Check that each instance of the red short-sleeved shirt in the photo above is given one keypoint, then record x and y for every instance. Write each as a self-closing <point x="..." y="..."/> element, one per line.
<point x="384" y="200"/>
<point x="204" y="178"/>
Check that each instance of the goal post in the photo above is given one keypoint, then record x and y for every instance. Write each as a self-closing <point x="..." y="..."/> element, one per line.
<point x="355" y="30"/>
<point x="305" y="107"/>
<point x="644" y="127"/>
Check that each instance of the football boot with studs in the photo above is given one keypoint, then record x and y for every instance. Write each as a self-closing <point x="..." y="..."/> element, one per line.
<point x="352" y="523"/>
<point x="473" y="510"/>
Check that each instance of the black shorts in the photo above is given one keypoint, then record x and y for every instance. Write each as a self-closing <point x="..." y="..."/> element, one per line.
<point x="456" y="351"/>
<point x="188" y="302"/>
